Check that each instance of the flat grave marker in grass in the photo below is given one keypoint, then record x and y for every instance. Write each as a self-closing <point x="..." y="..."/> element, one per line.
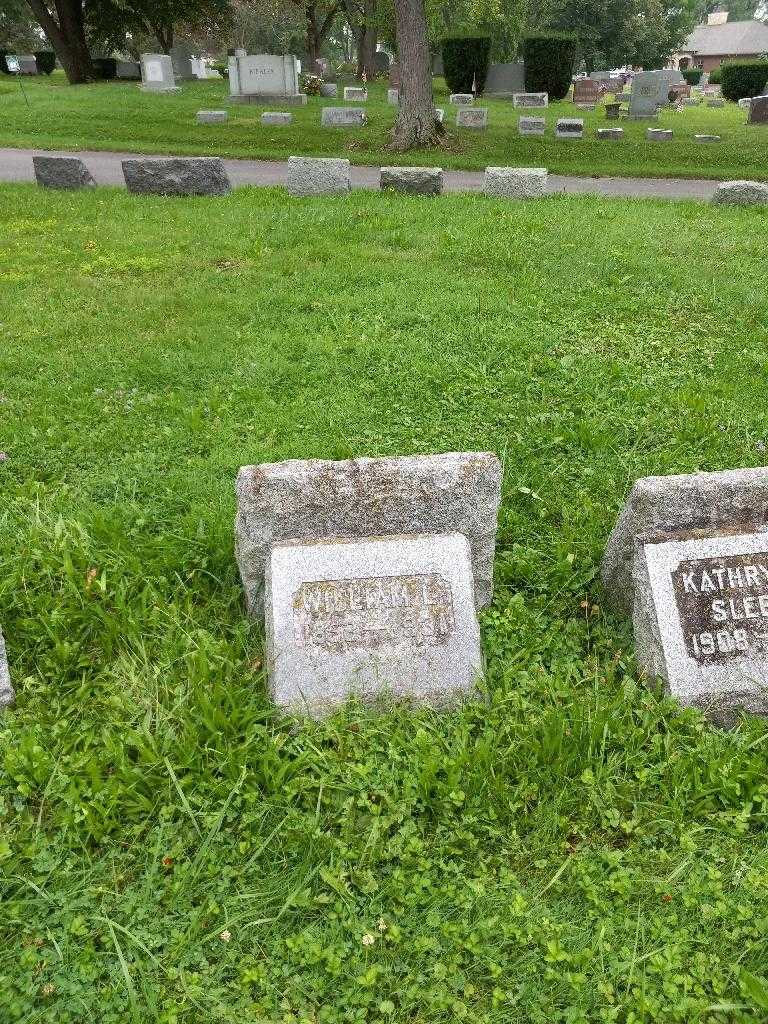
<point x="376" y="615"/>
<point x="6" y="690"/>
<point x="521" y="100"/>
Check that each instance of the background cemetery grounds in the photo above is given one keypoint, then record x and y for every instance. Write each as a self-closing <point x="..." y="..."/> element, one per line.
<point x="119" y="116"/>
<point x="171" y="849"/>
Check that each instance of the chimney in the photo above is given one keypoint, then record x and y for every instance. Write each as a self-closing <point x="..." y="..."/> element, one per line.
<point x="718" y="17"/>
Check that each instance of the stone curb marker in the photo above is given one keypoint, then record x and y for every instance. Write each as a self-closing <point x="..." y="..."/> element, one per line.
<point x="741" y="193"/>
<point x="212" y="116"/>
<point x="276" y="118"/>
<point x="342" y="117"/>
<point x="515" y="182"/>
<point x="415" y="181"/>
<point x="318" y="176"/>
<point x="177" y="176"/>
<point x="62" y="172"/>
<point x="309" y="500"/>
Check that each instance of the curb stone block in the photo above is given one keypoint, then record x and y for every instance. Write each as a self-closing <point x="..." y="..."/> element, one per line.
<point x="515" y="182"/>
<point x="62" y="172"/>
<point x="177" y="176"/>
<point x="414" y="181"/>
<point x="318" y="176"/>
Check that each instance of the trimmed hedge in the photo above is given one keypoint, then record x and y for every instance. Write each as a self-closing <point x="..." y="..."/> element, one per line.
<point x="3" y="66"/>
<point x="105" y="68"/>
<point x="715" y="77"/>
<point x="549" y="60"/>
<point x="465" y="60"/>
<point x="692" y="75"/>
<point x="46" y="61"/>
<point x="743" y="78"/>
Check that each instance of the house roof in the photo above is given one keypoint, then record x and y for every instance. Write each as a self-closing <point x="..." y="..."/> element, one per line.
<point x="734" y="38"/>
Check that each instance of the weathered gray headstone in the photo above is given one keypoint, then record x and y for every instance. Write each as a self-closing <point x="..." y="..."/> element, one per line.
<point x="177" y="176"/>
<point x="650" y="90"/>
<point x="128" y="70"/>
<point x="212" y="116"/>
<point x="706" y="138"/>
<point x="659" y="134"/>
<point x="701" y="618"/>
<point x="520" y="100"/>
<point x="181" y="59"/>
<point x="358" y="498"/>
<point x="741" y="193"/>
<point x="157" y="73"/>
<point x="343" y="117"/>
<point x="276" y="117"/>
<point x="716" y="103"/>
<point x="369" y="617"/>
<point x="355" y="94"/>
<point x="393" y="97"/>
<point x="758" y="110"/>
<point x="6" y="690"/>
<point x="569" y="128"/>
<point x="745" y="103"/>
<point x="415" y="181"/>
<point x="505" y="79"/>
<point x="586" y="92"/>
<point x="472" y="117"/>
<point x="614" y="134"/>
<point x="263" y="77"/>
<point x="695" y="501"/>
<point x="531" y="125"/>
<point x="329" y="89"/>
<point x="62" y="172"/>
<point x="317" y="176"/>
<point x="515" y="182"/>
<point x="461" y="99"/>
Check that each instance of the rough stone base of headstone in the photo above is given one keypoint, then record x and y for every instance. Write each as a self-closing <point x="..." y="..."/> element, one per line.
<point x="267" y="99"/>
<point x="610" y="133"/>
<point x="160" y="89"/>
<point x="343" y="117"/>
<point x="659" y="135"/>
<point x="357" y="498"/>
<point x="318" y="176"/>
<point x="414" y="181"/>
<point x="177" y="176"/>
<point x="212" y="116"/>
<point x="706" y="138"/>
<point x="274" y="118"/>
<point x="741" y="193"/>
<point x="716" y="103"/>
<point x="699" y="617"/>
<point x="371" y="618"/>
<point x="531" y="125"/>
<point x="586" y="106"/>
<point x="696" y="501"/>
<point x="515" y="182"/>
<point x="67" y="172"/>
<point x="6" y="690"/>
<point x="461" y="99"/>
<point x="569" y="128"/>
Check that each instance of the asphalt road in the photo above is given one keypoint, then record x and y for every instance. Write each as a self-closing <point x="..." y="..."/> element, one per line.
<point x="16" y="165"/>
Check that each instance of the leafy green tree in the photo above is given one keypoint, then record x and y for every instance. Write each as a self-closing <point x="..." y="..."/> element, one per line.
<point x="18" y="29"/>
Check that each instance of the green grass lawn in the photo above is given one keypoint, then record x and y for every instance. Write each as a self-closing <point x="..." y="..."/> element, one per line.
<point x="576" y="849"/>
<point x="119" y="116"/>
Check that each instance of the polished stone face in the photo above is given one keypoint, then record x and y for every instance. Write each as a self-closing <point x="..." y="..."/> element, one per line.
<point x="701" y="618"/>
<point x="366" y="617"/>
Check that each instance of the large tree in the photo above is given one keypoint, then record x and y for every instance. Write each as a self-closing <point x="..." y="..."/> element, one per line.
<point x="18" y="29"/>
<point x="110" y="21"/>
<point x="416" y="123"/>
<point x="63" y="22"/>
<point x="362" y="16"/>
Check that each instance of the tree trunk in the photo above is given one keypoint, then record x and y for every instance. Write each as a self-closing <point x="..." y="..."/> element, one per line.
<point x="66" y="36"/>
<point x="416" y="123"/>
<point x="363" y="25"/>
<point x="317" y="32"/>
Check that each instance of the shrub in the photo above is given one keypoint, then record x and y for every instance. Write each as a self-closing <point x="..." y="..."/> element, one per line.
<point x="692" y="75"/>
<point x="465" y="61"/>
<point x="743" y="78"/>
<point x="46" y="61"/>
<point x="105" y="68"/>
<point x="3" y="66"/>
<point x="223" y="69"/>
<point x="549" y="59"/>
<point x="312" y="84"/>
<point x="715" y="77"/>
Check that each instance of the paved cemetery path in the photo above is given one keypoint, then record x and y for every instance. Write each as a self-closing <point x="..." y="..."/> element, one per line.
<point x="16" y="165"/>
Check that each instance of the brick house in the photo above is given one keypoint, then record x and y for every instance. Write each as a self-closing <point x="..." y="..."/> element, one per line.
<point x="720" y="40"/>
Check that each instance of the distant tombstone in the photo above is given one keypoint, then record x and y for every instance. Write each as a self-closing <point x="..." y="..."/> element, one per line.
<point x="181" y="58"/>
<point x="393" y="97"/>
<point x="612" y="111"/>
<point x="307" y="176"/>
<point x="439" y="115"/>
<point x="521" y="100"/>
<point x="212" y="116"/>
<point x="569" y="128"/>
<point x="700" y="618"/>
<point x="329" y="89"/>
<point x="707" y="138"/>
<point x="758" y="110"/>
<point x="461" y="99"/>
<point x="505" y="79"/>
<point x="715" y="103"/>
<point x="177" y="176"/>
<point x="27" y="64"/>
<point x="745" y="103"/>
<point x="68" y="172"/>
<point x="531" y="125"/>
<point x="371" y="617"/>
<point x="586" y="90"/>
<point x="310" y="500"/>
<point x="276" y="118"/>
<point x="515" y="182"/>
<point x="610" y="134"/>
<point x="355" y="94"/>
<point x="263" y="77"/>
<point x="128" y="70"/>
<point x="691" y="101"/>
<point x="659" y="134"/>
<point x="650" y="90"/>
<point x="395" y="77"/>
<point x="343" y="117"/>
<point x="6" y="690"/>
<point x="157" y="73"/>
<point x="382" y="61"/>
<point x="472" y="117"/>
<point x="704" y="80"/>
